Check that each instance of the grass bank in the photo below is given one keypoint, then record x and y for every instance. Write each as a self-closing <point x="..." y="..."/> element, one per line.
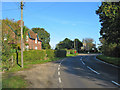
<point x="28" y="64"/>
<point x="11" y="81"/>
<point x="68" y="55"/>
<point x="111" y="60"/>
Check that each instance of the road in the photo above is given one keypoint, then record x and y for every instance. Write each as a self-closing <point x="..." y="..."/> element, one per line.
<point x="83" y="71"/>
<point x="86" y="72"/>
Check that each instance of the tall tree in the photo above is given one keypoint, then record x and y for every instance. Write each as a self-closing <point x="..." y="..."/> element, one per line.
<point x="78" y="44"/>
<point x="45" y="37"/>
<point x="88" y="43"/>
<point x="65" y="44"/>
<point x="109" y="14"/>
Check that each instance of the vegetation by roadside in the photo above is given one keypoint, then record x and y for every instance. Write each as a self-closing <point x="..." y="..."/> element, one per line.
<point x="111" y="60"/>
<point x="11" y="81"/>
<point x="68" y="55"/>
<point x="18" y="81"/>
<point x="28" y="64"/>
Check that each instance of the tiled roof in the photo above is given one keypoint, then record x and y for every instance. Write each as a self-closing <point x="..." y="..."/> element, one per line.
<point x="33" y="35"/>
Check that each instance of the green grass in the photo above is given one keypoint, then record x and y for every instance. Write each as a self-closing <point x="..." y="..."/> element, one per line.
<point x="111" y="60"/>
<point x="68" y="55"/>
<point x="28" y="64"/>
<point x="10" y="81"/>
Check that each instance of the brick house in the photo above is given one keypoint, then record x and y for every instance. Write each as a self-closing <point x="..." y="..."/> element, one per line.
<point x="33" y="41"/>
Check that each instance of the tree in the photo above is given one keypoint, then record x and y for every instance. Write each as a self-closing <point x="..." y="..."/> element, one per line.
<point x="109" y="14"/>
<point x="88" y="43"/>
<point x="69" y="44"/>
<point x="65" y="44"/>
<point x="45" y="37"/>
<point x="78" y="44"/>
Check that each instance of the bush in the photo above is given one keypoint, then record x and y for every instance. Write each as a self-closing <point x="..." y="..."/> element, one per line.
<point x="60" y="53"/>
<point x="50" y="53"/>
<point x="33" y="55"/>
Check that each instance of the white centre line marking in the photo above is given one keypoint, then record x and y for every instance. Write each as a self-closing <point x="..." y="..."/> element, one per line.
<point x="83" y="62"/>
<point x="59" y="80"/>
<point x="93" y="70"/>
<point x="58" y="68"/>
<point x="59" y="65"/>
<point x="115" y="83"/>
<point x="59" y="73"/>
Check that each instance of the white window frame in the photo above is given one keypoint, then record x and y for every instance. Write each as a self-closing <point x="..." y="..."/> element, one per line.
<point x="36" y="40"/>
<point x="26" y="38"/>
<point x="35" y="47"/>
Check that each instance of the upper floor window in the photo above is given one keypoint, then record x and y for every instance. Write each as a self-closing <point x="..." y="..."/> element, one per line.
<point x="36" y="40"/>
<point x="26" y="38"/>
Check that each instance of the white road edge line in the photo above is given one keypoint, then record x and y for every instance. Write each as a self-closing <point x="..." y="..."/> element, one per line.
<point x="115" y="83"/>
<point x="83" y="63"/>
<point x="59" y="80"/>
<point x="92" y="70"/>
<point x="59" y="65"/>
<point x="106" y="63"/>
<point x="58" y="73"/>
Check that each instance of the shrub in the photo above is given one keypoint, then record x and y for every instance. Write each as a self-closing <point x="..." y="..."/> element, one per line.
<point x="33" y="55"/>
<point x="50" y="53"/>
<point x="60" y="53"/>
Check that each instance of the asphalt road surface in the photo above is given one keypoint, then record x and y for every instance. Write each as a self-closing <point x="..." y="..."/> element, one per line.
<point x="85" y="71"/>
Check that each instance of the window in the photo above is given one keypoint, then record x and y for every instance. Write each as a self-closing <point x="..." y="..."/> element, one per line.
<point x="36" y="40"/>
<point x="5" y="37"/>
<point x="27" y="47"/>
<point x="36" y="48"/>
<point x="39" y="42"/>
<point x="26" y="38"/>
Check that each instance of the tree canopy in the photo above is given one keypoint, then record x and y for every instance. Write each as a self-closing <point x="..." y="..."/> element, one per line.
<point x="88" y="43"/>
<point x="69" y="44"/>
<point x="109" y="14"/>
<point x="45" y="37"/>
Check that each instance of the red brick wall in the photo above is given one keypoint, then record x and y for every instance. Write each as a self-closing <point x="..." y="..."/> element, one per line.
<point x="32" y="44"/>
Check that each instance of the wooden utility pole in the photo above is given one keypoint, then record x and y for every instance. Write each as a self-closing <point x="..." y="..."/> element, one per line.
<point x="22" y="33"/>
<point x="74" y="44"/>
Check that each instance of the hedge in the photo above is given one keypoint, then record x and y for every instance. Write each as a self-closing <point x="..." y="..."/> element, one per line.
<point x="60" y="53"/>
<point x="50" y="53"/>
<point x="33" y="55"/>
<point x="41" y="54"/>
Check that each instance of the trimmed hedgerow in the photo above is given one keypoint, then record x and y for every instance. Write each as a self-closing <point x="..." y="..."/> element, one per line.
<point x="60" y="53"/>
<point x="50" y="54"/>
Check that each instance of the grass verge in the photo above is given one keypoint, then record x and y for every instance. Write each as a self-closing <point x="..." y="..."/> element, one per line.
<point x="68" y="55"/>
<point x="111" y="60"/>
<point x="10" y="81"/>
<point x="28" y="64"/>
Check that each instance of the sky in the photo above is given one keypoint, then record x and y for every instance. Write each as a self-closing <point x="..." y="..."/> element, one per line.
<point x="60" y="19"/>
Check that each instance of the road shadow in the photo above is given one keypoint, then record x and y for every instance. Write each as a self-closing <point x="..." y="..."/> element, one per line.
<point x="74" y="66"/>
<point x="17" y="58"/>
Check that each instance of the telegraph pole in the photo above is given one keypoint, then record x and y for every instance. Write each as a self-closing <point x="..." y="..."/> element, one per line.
<point x="74" y="44"/>
<point x="21" y="33"/>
